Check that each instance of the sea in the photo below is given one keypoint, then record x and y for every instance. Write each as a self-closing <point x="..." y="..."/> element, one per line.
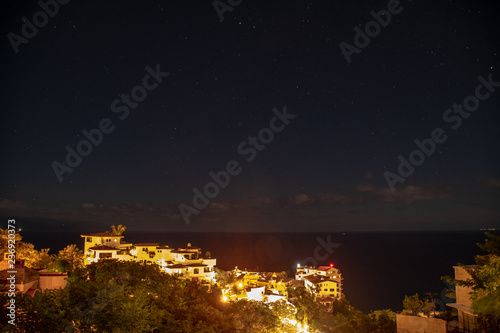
<point x="378" y="268"/>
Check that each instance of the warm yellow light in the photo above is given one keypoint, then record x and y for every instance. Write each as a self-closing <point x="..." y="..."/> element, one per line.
<point x="224" y="298"/>
<point x="240" y="285"/>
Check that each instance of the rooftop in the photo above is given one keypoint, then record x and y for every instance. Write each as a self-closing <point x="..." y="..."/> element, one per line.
<point x="196" y="265"/>
<point x="314" y="279"/>
<point x="103" y="248"/>
<point x="324" y="268"/>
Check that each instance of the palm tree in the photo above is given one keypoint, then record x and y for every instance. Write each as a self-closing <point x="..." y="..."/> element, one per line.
<point x="117" y="230"/>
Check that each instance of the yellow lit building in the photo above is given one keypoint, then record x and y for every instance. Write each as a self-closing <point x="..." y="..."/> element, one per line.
<point x="186" y="261"/>
<point x="145" y="252"/>
<point x="322" y="287"/>
<point x="324" y="281"/>
<point x="105" y="239"/>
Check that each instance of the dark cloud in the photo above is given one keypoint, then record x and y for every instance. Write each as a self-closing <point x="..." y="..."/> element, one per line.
<point x="408" y="194"/>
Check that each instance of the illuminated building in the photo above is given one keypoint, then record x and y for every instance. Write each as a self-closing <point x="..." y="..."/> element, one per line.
<point x="186" y="261"/>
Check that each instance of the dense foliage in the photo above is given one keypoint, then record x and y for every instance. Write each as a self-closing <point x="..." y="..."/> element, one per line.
<point x="413" y="305"/>
<point x="117" y="296"/>
<point x="485" y="284"/>
<point x="67" y="260"/>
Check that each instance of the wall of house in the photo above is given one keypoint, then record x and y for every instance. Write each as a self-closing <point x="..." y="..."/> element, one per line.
<point x="463" y="297"/>
<point x="53" y="281"/>
<point x="96" y="240"/>
<point x="414" y="324"/>
<point x="24" y="287"/>
<point x="328" y="285"/>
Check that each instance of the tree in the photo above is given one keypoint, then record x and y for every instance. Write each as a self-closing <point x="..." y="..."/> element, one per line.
<point x="381" y="321"/>
<point x="71" y="258"/>
<point x="4" y="241"/>
<point x="491" y="244"/>
<point x="33" y="258"/>
<point x="285" y="311"/>
<point x="431" y="305"/>
<point x="413" y="304"/>
<point x="385" y="321"/>
<point x="224" y="278"/>
<point x="126" y="296"/>
<point x="305" y="303"/>
<point x="117" y="230"/>
<point x="485" y="283"/>
<point x="253" y="316"/>
<point x="428" y="307"/>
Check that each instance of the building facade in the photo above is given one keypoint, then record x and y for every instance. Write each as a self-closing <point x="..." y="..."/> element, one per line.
<point x="463" y="302"/>
<point x="324" y="281"/>
<point x="185" y="261"/>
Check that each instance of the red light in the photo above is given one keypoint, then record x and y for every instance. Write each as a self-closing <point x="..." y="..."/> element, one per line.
<point x="331" y="265"/>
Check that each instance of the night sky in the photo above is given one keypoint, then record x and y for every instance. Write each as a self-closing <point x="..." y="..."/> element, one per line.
<point x="214" y="90"/>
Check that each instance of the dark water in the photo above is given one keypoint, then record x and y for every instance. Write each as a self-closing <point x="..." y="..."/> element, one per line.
<point x="379" y="269"/>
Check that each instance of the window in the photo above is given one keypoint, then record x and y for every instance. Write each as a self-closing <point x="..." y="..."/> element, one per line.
<point x="108" y="240"/>
<point x="89" y="239"/>
<point x="105" y="255"/>
<point x="151" y="255"/>
<point x="326" y="289"/>
<point x="206" y="269"/>
<point x="196" y="271"/>
<point x="332" y="289"/>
